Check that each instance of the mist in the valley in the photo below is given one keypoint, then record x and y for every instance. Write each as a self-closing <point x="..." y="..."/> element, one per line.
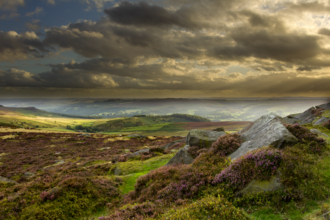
<point x="239" y="109"/>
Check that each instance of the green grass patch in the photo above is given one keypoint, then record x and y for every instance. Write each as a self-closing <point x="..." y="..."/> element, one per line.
<point x="326" y="113"/>
<point x="145" y="127"/>
<point x="132" y="170"/>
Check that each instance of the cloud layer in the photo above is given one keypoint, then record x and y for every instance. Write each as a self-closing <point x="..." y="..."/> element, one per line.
<point x="185" y="46"/>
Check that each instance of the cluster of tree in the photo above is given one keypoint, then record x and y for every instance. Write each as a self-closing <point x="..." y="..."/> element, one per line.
<point x="84" y="128"/>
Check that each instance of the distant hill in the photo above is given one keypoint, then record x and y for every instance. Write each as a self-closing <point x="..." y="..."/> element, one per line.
<point x="31" y="117"/>
<point x="147" y="120"/>
<point x="34" y="112"/>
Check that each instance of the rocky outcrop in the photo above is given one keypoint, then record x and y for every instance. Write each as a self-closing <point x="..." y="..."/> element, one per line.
<point x="318" y="132"/>
<point x="324" y="106"/>
<point x="29" y="175"/>
<point x="302" y="118"/>
<point x="181" y="157"/>
<point x="203" y="139"/>
<point x="321" y="121"/>
<point x="265" y="131"/>
<point x="308" y="116"/>
<point x="256" y="186"/>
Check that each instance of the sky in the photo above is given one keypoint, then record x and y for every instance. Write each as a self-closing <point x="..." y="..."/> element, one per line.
<point x="164" y="48"/>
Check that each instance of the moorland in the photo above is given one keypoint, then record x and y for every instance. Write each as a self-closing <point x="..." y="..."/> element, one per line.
<point x="53" y="167"/>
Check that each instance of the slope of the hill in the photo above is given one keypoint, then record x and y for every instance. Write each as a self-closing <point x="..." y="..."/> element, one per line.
<point x="145" y="122"/>
<point x="32" y="117"/>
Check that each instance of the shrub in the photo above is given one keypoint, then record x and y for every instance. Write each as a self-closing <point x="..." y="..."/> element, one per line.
<point x="207" y="208"/>
<point x="168" y="183"/>
<point x="327" y="124"/>
<point x="226" y="144"/>
<point x="317" y="112"/>
<point x="306" y="137"/>
<point x="259" y="164"/>
<point x="193" y="151"/>
<point x="210" y="164"/>
<point x="136" y="211"/>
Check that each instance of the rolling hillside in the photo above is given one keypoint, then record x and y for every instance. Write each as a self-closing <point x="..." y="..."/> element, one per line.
<point x="32" y="117"/>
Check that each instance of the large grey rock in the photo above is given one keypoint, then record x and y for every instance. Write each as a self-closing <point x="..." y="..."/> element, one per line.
<point x="321" y="121"/>
<point x="318" y="132"/>
<point x="202" y="138"/>
<point x="256" y="186"/>
<point x="181" y="157"/>
<point x="165" y="147"/>
<point x="265" y="131"/>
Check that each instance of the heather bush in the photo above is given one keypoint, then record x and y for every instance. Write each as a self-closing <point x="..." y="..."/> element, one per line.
<point x="168" y="183"/>
<point x="194" y="151"/>
<point x="59" y="197"/>
<point x="317" y="112"/>
<point x="259" y="164"/>
<point x="297" y="167"/>
<point x="327" y="124"/>
<point x="137" y="211"/>
<point x="207" y="208"/>
<point x="226" y="144"/>
<point x="210" y="164"/>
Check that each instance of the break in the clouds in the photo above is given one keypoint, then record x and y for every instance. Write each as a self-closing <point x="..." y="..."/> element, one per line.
<point x="232" y="48"/>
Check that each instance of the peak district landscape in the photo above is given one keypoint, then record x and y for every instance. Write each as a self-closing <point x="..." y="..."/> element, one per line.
<point x="164" y="109"/>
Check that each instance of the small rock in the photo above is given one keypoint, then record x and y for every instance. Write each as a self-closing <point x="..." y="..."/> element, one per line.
<point x="181" y="157"/>
<point x="318" y="132"/>
<point x="119" y="135"/>
<point x="105" y="148"/>
<point x="219" y="129"/>
<point x="85" y="135"/>
<point x="326" y="215"/>
<point x="57" y="153"/>
<point x="6" y="180"/>
<point x="165" y="147"/>
<point x="138" y="153"/>
<point x="29" y="175"/>
<point x="321" y="121"/>
<point x="117" y="171"/>
<point x="136" y="136"/>
<point x="256" y="186"/>
<point x="202" y="138"/>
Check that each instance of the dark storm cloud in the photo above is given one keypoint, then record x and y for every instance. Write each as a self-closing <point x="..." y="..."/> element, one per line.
<point x="269" y="44"/>
<point x="19" y="46"/>
<point x="184" y="45"/>
<point x="316" y="7"/>
<point x="142" y="14"/>
<point x="21" y="78"/>
<point x="324" y="31"/>
<point x="308" y="68"/>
